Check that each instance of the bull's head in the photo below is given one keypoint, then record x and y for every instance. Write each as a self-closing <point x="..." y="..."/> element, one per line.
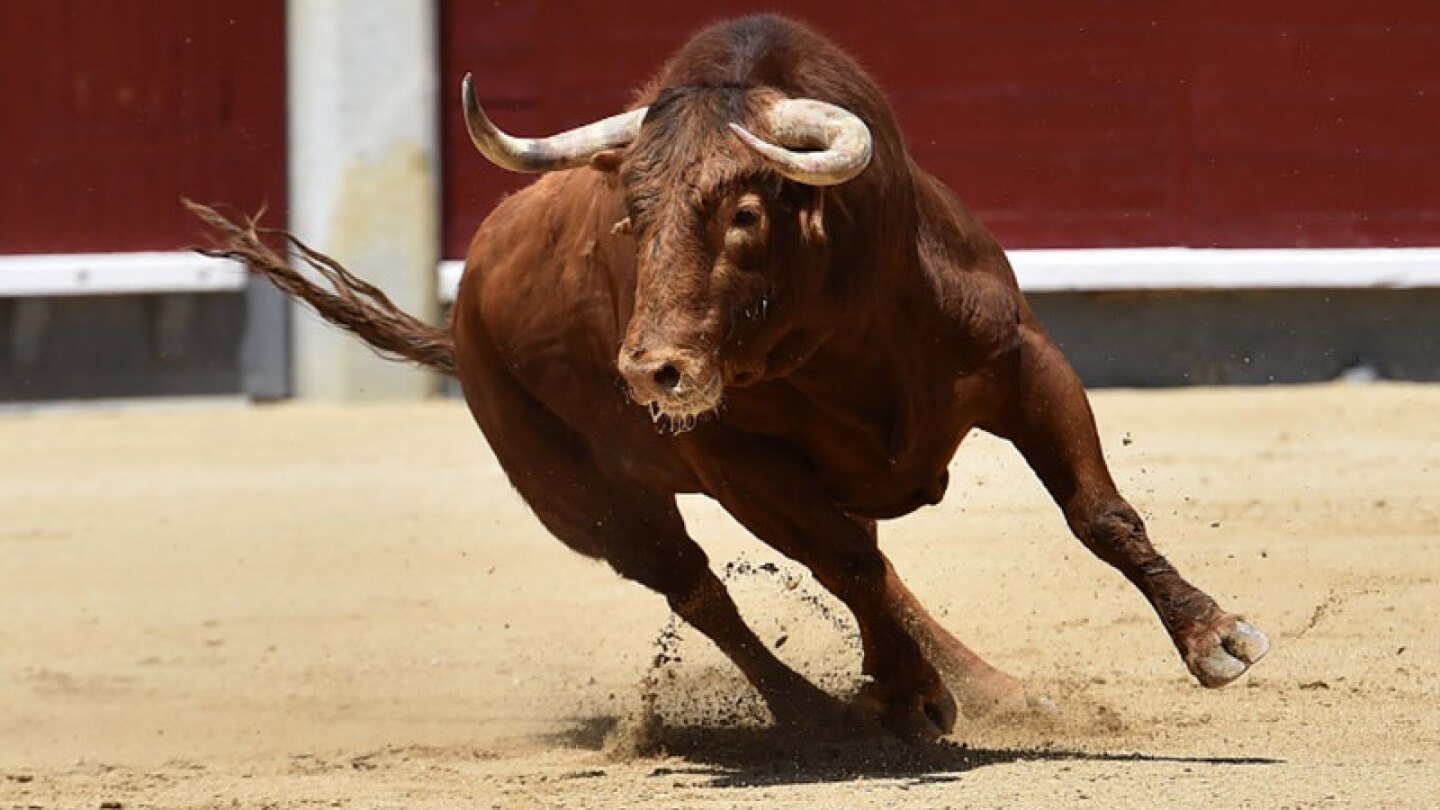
<point x="728" y="228"/>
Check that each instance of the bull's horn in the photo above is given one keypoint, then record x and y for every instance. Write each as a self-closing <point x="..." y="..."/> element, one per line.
<point x="842" y="139"/>
<point x="567" y="150"/>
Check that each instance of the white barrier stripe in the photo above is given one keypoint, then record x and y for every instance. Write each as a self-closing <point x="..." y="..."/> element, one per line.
<point x="30" y="276"/>
<point x="1078" y="270"/>
<point x="450" y="272"/>
<point x="1180" y="268"/>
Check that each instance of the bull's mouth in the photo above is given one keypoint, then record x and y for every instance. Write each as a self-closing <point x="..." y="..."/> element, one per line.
<point x="684" y="408"/>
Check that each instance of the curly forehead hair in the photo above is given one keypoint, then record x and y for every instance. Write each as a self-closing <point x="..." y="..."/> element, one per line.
<point x="685" y="150"/>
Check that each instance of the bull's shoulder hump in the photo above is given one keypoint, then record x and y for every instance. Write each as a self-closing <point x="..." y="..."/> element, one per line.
<point x="539" y="271"/>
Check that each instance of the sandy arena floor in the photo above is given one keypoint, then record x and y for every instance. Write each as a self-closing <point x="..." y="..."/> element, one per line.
<point x="302" y="606"/>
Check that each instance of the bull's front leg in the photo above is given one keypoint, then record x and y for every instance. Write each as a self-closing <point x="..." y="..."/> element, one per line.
<point x="774" y="493"/>
<point x="1050" y="422"/>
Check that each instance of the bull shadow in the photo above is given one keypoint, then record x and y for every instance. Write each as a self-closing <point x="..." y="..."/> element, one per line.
<point x="746" y="756"/>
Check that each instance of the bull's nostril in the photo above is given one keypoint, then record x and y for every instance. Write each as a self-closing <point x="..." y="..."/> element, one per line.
<point x="668" y="377"/>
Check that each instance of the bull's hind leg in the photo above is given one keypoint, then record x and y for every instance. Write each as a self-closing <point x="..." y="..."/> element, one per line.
<point x="1050" y="422"/>
<point x="640" y="533"/>
<point x="980" y="688"/>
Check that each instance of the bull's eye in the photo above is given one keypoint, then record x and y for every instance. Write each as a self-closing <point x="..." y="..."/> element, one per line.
<point x="745" y="217"/>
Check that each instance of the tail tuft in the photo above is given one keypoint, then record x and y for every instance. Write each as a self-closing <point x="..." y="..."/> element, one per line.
<point x="349" y="302"/>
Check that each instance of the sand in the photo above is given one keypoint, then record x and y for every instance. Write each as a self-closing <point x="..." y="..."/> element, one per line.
<point x="306" y="606"/>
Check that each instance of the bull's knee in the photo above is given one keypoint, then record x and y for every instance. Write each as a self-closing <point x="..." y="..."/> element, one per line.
<point x="676" y="570"/>
<point x="860" y="571"/>
<point x="702" y="602"/>
<point x="1112" y="531"/>
<point x="1113" y="520"/>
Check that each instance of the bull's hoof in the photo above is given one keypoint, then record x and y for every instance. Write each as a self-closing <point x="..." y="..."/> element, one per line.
<point x="917" y="715"/>
<point x="1226" y="652"/>
<point x="992" y="692"/>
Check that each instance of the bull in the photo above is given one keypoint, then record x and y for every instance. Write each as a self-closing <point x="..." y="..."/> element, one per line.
<point x="744" y="286"/>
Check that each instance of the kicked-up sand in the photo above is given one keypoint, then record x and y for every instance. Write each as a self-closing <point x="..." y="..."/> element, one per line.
<point x="301" y="606"/>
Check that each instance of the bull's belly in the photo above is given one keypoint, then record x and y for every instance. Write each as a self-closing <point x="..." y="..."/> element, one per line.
<point x="890" y="496"/>
<point x="872" y="464"/>
<point x="865" y="479"/>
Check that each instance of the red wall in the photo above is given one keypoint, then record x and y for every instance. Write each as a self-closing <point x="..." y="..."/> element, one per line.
<point x="111" y="110"/>
<point x="1112" y="122"/>
<point x="1109" y="122"/>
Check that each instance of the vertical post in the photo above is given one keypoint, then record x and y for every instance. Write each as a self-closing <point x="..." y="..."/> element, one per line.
<point x="265" y="346"/>
<point x="363" y="169"/>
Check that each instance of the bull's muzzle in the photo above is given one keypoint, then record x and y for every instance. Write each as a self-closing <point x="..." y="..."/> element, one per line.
<point x="674" y="383"/>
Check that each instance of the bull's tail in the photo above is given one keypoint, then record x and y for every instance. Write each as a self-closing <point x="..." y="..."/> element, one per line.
<point x="349" y="302"/>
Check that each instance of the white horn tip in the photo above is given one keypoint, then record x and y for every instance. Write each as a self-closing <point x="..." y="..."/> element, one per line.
<point x="745" y="135"/>
<point x="759" y="144"/>
<point x="467" y="94"/>
<point x="801" y="122"/>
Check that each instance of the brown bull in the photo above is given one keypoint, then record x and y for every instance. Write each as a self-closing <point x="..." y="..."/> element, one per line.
<point x="754" y="293"/>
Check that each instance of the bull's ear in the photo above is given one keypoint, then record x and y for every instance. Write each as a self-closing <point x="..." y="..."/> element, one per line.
<point x="812" y="219"/>
<point x="607" y="160"/>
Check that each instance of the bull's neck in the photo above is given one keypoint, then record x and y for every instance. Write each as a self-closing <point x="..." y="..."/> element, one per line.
<point x="889" y="316"/>
<point x="882" y="330"/>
